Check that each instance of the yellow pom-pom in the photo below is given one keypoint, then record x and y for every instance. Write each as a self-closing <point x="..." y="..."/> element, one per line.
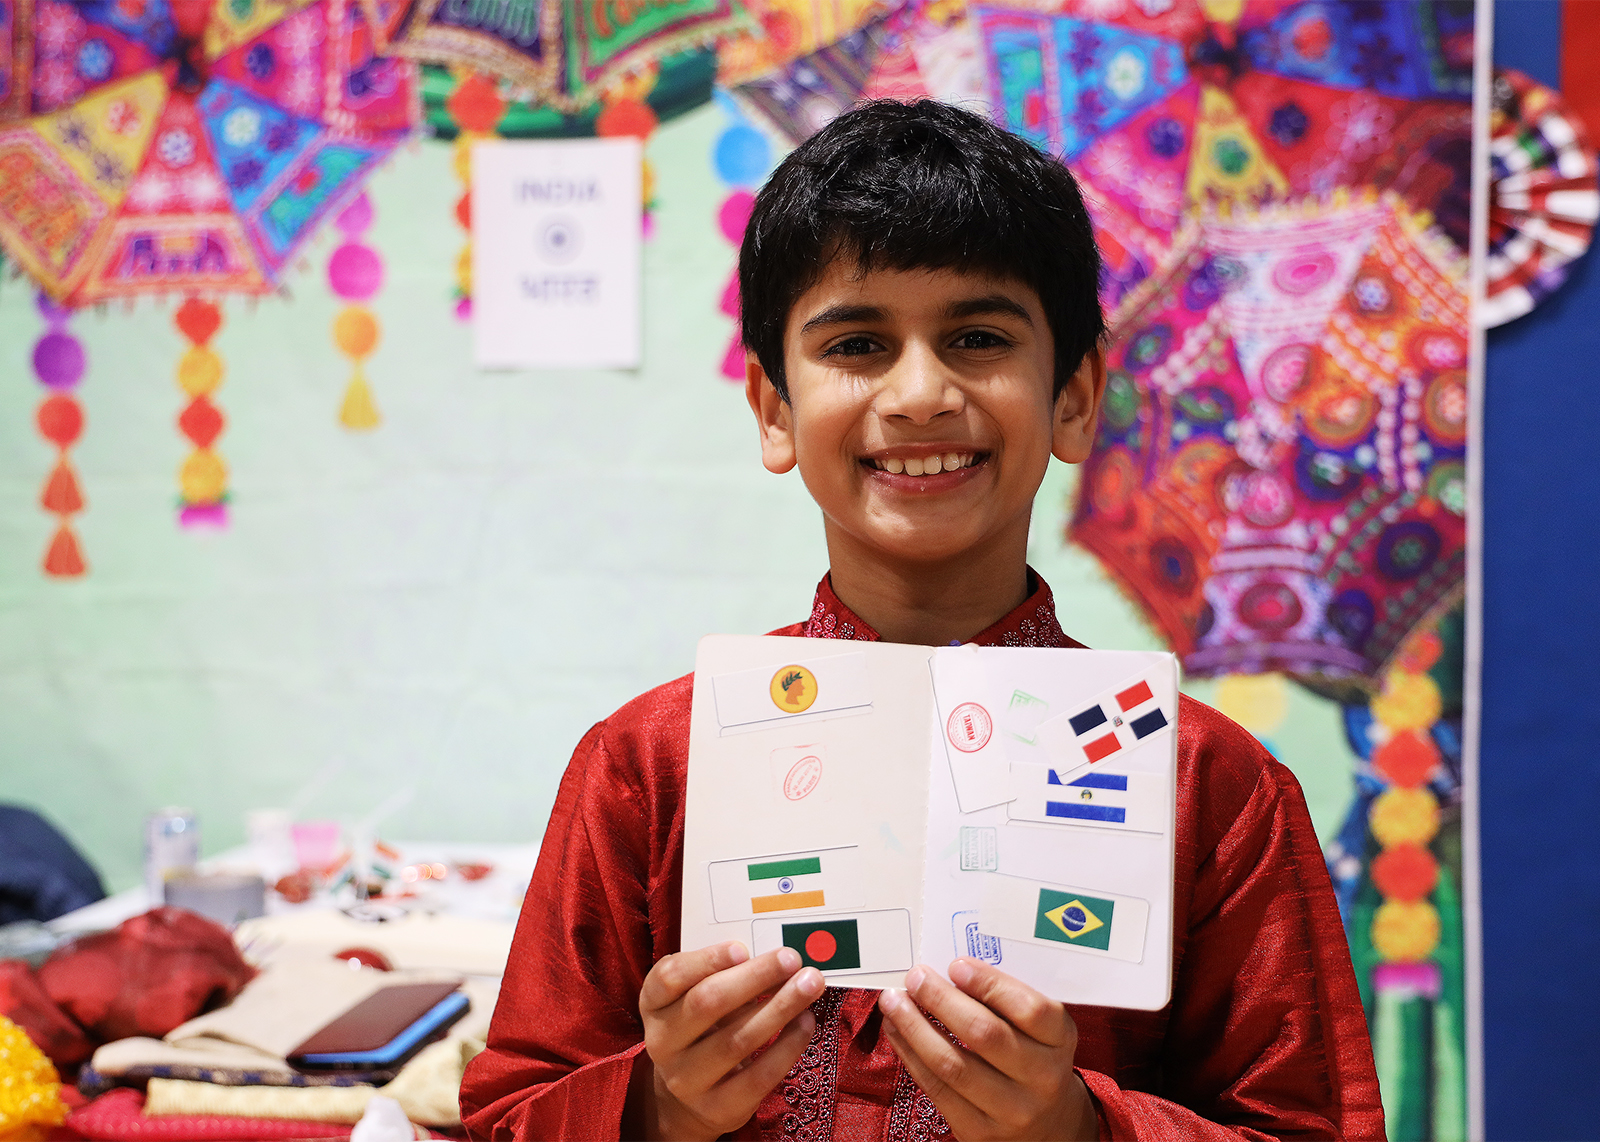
<point x="1258" y="702"/>
<point x="648" y="182"/>
<point x="1223" y="11"/>
<point x="1408" y="702"/>
<point x="1405" y="931"/>
<point x="463" y="154"/>
<point x="203" y="478"/>
<point x="464" y="270"/>
<point x="355" y="331"/>
<point x="358" y="410"/>
<point x="30" y="1095"/>
<point x="1404" y="817"/>
<point x="199" y="370"/>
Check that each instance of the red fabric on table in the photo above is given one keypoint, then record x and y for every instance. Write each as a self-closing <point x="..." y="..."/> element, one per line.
<point x="23" y="1000"/>
<point x="146" y="976"/>
<point x="1265" y="1037"/>
<point x="119" y="1114"/>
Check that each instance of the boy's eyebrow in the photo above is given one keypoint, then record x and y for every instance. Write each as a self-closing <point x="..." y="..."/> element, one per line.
<point x="994" y="303"/>
<point x="844" y="315"/>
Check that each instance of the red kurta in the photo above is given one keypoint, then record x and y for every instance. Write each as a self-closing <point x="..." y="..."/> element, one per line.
<point x="1264" y="1038"/>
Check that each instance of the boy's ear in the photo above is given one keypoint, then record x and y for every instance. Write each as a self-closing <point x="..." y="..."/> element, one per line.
<point x="1077" y="409"/>
<point x="774" y="417"/>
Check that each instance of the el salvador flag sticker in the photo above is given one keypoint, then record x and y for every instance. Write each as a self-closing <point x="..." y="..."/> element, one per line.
<point x="1135" y="802"/>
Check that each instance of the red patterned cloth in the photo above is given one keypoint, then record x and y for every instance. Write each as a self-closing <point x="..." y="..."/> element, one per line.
<point x="1264" y="1038"/>
<point x="24" y="1001"/>
<point x="119" y="1114"/>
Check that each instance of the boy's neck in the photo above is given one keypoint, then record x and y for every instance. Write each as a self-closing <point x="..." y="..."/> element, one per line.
<point x="930" y="604"/>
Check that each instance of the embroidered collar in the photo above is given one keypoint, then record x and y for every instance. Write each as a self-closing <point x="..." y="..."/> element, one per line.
<point x="1031" y="624"/>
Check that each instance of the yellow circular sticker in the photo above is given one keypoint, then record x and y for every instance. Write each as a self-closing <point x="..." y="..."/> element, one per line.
<point x="793" y="689"/>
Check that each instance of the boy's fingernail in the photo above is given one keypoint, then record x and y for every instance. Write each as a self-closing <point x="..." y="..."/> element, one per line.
<point x="889" y="999"/>
<point x="914" y="979"/>
<point x="810" y="983"/>
<point x="788" y="959"/>
<point x="961" y="973"/>
<point x="737" y="952"/>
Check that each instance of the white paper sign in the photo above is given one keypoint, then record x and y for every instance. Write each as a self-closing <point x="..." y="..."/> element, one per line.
<point x="555" y="253"/>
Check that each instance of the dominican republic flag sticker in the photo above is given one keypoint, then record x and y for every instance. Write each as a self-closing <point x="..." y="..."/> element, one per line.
<point x="1115" y="721"/>
<point x="853" y="944"/>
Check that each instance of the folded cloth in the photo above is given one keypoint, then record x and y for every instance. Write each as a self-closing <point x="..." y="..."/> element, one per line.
<point x="416" y="940"/>
<point x="427" y="1089"/>
<point x="147" y="976"/>
<point x="119" y="1114"/>
<point x="131" y="1062"/>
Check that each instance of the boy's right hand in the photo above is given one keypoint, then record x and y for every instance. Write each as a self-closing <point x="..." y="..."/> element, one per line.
<point x="704" y="1016"/>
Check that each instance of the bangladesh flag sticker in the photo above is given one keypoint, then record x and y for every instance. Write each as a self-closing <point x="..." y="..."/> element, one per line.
<point x="827" y="945"/>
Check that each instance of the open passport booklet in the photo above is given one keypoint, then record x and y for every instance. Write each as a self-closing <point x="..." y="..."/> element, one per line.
<point x="876" y="805"/>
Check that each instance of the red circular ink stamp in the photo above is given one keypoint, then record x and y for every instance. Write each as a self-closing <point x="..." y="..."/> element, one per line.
<point x="803" y="777"/>
<point x="969" y="728"/>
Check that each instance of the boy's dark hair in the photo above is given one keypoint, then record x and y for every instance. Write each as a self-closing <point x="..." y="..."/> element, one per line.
<point x="920" y="186"/>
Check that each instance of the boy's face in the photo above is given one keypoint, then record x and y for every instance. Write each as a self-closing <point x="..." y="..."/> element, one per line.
<point x="920" y="410"/>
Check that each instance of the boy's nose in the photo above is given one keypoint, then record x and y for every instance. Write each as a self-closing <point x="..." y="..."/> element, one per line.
<point x="919" y="387"/>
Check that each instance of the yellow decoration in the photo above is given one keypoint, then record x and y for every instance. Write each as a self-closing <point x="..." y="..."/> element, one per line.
<point x="1404" y="817"/>
<point x="200" y="370"/>
<point x="648" y="183"/>
<point x="464" y="270"/>
<point x="1258" y="702"/>
<point x="355" y="331"/>
<point x="1405" y="932"/>
<point x="462" y="159"/>
<point x="358" y="410"/>
<point x="1408" y="702"/>
<point x="1227" y="164"/>
<point x="30" y="1095"/>
<point x="104" y="136"/>
<point x="203" y="477"/>
<point x="1223" y="11"/>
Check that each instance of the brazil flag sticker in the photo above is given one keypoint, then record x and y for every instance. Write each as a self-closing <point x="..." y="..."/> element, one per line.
<point x="1069" y="918"/>
<point x="827" y="945"/>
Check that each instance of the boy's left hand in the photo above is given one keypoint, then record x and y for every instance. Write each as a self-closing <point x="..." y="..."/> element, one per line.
<point x="1014" y="1077"/>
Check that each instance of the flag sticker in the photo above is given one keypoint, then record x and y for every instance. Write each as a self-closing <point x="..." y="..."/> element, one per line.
<point x="1133" y="801"/>
<point x="827" y="945"/>
<point x="790" y="882"/>
<point x="1083" y="921"/>
<point x="1116" y="721"/>
<point x="1094" y="921"/>
<point x="855" y="943"/>
<point x="787" y="693"/>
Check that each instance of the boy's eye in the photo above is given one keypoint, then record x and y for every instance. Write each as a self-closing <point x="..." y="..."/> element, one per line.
<point x="851" y="347"/>
<point x="980" y="339"/>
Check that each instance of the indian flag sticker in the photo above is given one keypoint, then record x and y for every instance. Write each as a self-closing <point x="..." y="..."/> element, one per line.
<point x="785" y="883"/>
<point x="793" y="689"/>
<point x="853" y="943"/>
<point x="1059" y="916"/>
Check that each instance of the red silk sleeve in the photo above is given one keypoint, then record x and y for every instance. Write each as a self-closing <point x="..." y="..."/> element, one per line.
<point x="601" y="908"/>
<point x="1265" y="1037"/>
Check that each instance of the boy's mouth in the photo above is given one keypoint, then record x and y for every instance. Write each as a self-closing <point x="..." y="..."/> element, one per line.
<point x="931" y="464"/>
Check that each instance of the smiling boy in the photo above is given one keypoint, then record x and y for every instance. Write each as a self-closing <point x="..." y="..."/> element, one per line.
<point x="919" y="304"/>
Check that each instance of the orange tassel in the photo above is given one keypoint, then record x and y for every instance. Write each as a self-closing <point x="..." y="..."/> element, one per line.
<point x="65" y="558"/>
<point x="61" y="494"/>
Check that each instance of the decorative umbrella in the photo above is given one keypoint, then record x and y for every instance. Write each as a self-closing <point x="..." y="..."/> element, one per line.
<point x="560" y="53"/>
<point x="1162" y="113"/>
<point x="1279" y="477"/>
<point x="191" y="147"/>
<point x="1543" y="200"/>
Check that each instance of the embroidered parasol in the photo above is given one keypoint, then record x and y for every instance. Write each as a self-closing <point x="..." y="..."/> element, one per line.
<point x="1279" y="478"/>
<point x="1160" y="113"/>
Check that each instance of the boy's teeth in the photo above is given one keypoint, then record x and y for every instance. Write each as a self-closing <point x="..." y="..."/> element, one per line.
<point x="929" y="465"/>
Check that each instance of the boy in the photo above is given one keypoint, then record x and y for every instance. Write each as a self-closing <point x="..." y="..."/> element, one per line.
<point x="919" y="305"/>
